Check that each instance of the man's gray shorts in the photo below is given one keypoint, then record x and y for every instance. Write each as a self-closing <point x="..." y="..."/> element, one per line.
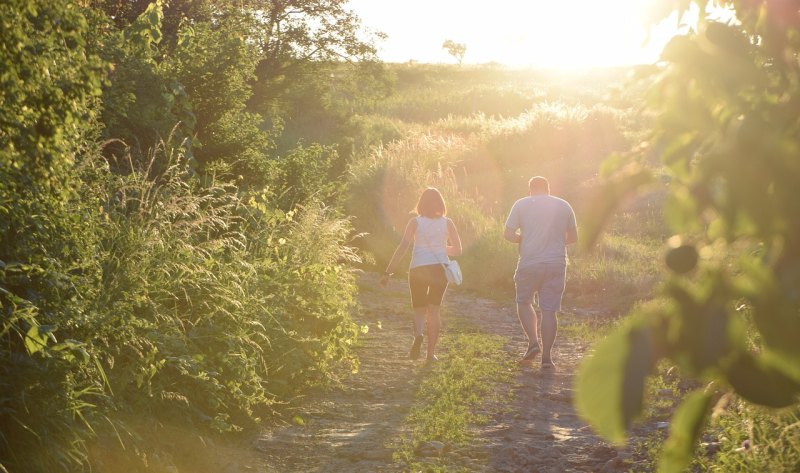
<point x="547" y="279"/>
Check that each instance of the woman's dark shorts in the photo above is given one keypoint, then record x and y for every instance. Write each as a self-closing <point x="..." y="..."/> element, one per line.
<point x="427" y="284"/>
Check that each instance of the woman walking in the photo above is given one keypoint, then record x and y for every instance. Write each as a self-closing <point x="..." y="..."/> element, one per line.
<point x="435" y="238"/>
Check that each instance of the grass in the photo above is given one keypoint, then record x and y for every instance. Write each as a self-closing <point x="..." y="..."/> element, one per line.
<point x="586" y="328"/>
<point x="448" y="398"/>
<point x="740" y="437"/>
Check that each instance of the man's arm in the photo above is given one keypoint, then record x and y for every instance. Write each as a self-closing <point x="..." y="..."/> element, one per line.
<point x="572" y="236"/>
<point x="511" y="235"/>
<point x="512" y="225"/>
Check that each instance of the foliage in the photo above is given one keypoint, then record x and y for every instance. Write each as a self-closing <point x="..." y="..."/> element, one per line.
<point x="142" y="101"/>
<point x="133" y="277"/>
<point x="205" y="307"/>
<point x="293" y="35"/>
<point x="727" y="129"/>
<point x="751" y="438"/>
<point x="426" y="93"/>
<point x="49" y="86"/>
<point x="306" y="173"/>
<point x="457" y="50"/>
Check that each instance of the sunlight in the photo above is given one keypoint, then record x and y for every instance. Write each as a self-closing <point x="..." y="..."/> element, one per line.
<point x="579" y="34"/>
<point x="568" y="34"/>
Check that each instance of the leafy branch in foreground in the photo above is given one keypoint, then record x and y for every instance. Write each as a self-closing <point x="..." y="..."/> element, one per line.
<point x="729" y="315"/>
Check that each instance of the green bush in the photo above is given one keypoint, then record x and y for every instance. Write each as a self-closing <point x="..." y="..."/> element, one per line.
<point x="228" y="303"/>
<point x="48" y="98"/>
<point x="134" y="282"/>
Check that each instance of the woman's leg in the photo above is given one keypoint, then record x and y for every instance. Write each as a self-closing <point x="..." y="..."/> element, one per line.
<point x="419" y="295"/>
<point x="418" y="327"/>
<point x="433" y="329"/>
<point x="419" y="321"/>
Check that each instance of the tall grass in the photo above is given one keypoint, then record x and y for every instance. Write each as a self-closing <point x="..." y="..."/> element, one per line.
<point x="196" y="306"/>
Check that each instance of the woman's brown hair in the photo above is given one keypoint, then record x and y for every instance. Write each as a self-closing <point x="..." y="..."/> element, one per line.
<point x="431" y="204"/>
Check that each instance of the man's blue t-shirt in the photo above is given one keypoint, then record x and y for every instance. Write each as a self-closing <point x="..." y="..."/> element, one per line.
<point x="543" y="221"/>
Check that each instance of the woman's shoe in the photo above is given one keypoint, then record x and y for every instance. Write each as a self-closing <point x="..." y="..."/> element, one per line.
<point x="414" y="353"/>
<point x="432" y="359"/>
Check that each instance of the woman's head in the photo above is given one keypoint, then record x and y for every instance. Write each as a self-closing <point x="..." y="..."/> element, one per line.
<point x="431" y="204"/>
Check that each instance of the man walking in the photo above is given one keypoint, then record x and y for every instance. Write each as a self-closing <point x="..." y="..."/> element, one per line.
<point x="542" y="225"/>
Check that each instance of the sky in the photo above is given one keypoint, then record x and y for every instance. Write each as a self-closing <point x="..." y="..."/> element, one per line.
<point x="519" y="33"/>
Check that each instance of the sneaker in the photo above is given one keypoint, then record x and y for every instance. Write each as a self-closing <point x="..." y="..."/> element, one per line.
<point x="432" y="359"/>
<point x="414" y="353"/>
<point x="529" y="355"/>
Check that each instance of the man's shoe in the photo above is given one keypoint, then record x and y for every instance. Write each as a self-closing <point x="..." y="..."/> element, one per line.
<point x="414" y="354"/>
<point x="529" y="355"/>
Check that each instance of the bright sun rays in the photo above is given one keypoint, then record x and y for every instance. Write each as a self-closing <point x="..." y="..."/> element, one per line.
<point x="537" y="33"/>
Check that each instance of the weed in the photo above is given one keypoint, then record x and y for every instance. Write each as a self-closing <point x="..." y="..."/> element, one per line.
<point x="448" y="398"/>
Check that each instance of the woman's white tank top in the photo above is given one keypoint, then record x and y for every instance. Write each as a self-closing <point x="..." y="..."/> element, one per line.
<point x="430" y="242"/>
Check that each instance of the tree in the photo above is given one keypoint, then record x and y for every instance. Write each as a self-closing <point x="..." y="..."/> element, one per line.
<point x="727" y="129"/>
<point x="457" y="50"/>
<point x="297" y="37"/>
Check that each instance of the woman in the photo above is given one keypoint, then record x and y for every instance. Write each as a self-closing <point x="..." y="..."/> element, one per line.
<point x="434" y="237"/>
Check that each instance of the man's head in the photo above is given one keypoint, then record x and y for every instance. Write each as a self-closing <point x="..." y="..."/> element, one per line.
<point x="539" y="185"/>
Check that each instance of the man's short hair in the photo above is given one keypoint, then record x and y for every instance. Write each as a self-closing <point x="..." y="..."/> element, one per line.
<point x="539" y="184"/>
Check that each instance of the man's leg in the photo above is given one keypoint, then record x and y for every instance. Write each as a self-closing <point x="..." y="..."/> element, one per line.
<point x="530" y="323"/>
<point x="549" y="330"/>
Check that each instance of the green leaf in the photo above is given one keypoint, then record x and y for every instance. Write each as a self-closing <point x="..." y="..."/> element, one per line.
<point x="605" y="200"/>
<point x="611" y="381"/>
<point x="685" y="430"/>
<point x="682" y="259"/>
<point x="36" y="338"/>
<point x="153" y="14"/>
<point x="680" y="211"/>
<point x="761" y="383"/>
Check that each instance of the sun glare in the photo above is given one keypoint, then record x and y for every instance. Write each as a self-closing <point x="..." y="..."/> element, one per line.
<point x="578" y="34"/>
<point x="537" y="33"/>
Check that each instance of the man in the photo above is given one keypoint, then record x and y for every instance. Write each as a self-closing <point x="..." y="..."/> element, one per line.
<point x="542" y="225"/>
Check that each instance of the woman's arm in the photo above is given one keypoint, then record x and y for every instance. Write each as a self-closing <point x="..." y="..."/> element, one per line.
<point x="400" y="251"/>
<point x="454" y="239"/>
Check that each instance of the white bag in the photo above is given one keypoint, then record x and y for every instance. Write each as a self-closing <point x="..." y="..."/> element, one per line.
<point x="453" y="272"/>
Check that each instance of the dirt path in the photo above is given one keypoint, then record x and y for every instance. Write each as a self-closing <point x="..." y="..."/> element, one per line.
<point x="350" y="430"/>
